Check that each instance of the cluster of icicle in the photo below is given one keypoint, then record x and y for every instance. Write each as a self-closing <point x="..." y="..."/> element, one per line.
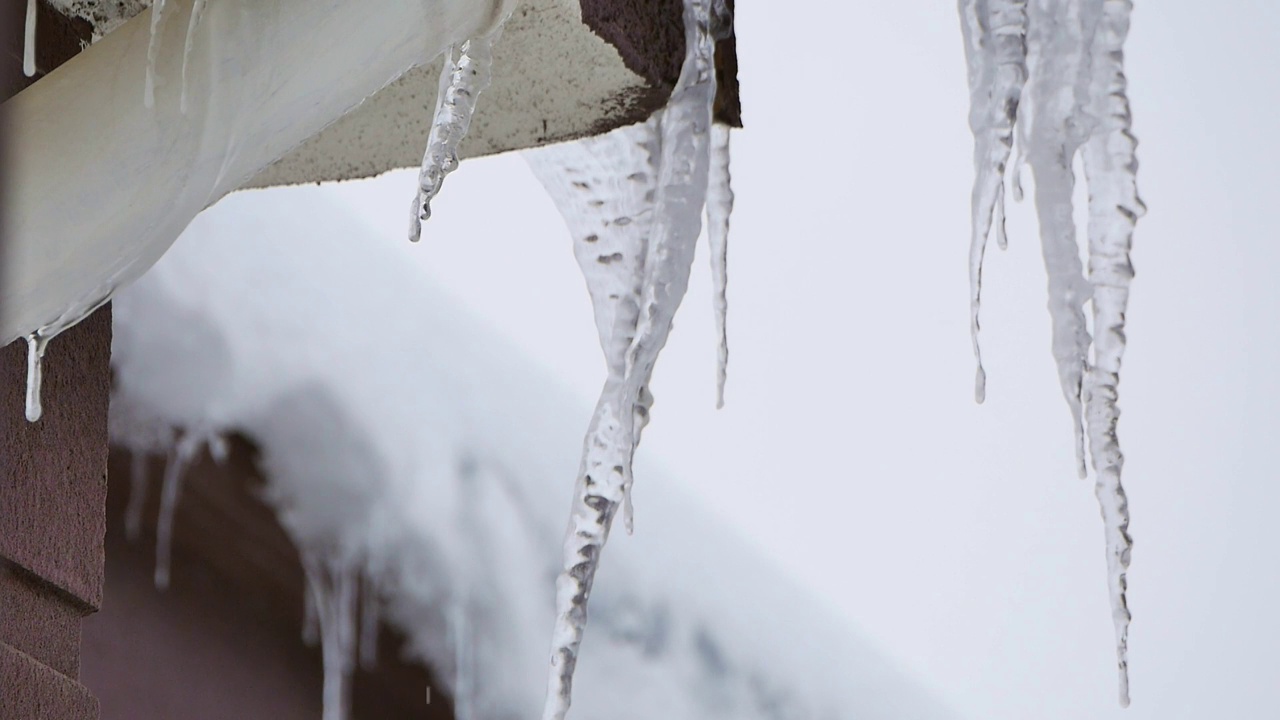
<point x="633" y="201"/>
<point x="1052" y="72"/>
<point x="342" y="611"/>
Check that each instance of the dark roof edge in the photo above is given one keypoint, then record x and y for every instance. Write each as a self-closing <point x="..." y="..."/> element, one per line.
<point x="649" y="35"/>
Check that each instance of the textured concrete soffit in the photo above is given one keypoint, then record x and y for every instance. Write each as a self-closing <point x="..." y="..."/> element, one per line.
<point x="533" y="101"/>
<point x="564" y="69"/>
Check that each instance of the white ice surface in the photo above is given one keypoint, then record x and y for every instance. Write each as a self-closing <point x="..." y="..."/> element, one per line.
<point x="395" y="425"/>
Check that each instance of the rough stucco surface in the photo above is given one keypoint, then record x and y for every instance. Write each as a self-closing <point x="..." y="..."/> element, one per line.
<point x="53" y="481"/>
<point x="34" y="691"/>
<point x="37" y="624"/>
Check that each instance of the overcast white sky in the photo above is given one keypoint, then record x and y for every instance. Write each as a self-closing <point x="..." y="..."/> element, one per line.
<point x="955" y="536"/>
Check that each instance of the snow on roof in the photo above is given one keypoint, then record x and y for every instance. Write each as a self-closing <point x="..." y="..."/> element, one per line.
<point x="398" y="431"/>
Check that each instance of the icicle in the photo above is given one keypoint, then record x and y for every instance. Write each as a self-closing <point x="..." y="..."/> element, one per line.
<point x="676" y="143"/>
<point x="333" y="587"/>
<point x="153" y="52"/>
<point x="197" y="11"/>
<point x="29" y="42"/>
<point x="1056" y="135"/>
<point x="461" y="82"/>
<point x="1114" y="207"/>
<point x="137" y="495"/>
<point x="370" y="608"/>
<point x="183" y="453"/>
<point x="996" y="51"/>
<point x="310" y="616"/>
<point x="37" y="342"/>
<point x="464" y="666"/>
<point x="719" y="208"/>
<point x="1077" y="103"/>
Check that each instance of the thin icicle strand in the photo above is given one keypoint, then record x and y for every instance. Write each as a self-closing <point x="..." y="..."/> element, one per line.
<point x="461" y="82"/>
<point x="171" y="490"/>
<point x="996" y="51"/>
<point x="197" y="12"/>
<point x="334" y="585"/>
<point x="370" y="619"/>
<point x="464" y="692"/>
<point x="137" y="495"/>
<point x="29" y="41"/>
<point x="153" y="52"/>
<point x="37" y="343"/>
<point x="682" y="154"/>
<point x="719" y="208"/>
<point x="1114" y="207"/>
<point x="1057" y="133"/>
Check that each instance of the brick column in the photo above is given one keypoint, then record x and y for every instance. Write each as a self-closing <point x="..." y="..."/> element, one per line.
<point x="52" y="473"/>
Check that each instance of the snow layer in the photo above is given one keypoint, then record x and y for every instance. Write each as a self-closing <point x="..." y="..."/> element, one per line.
<point x="440" y="461"/>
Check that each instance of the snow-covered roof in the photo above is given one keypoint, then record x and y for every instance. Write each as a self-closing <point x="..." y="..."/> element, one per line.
<point x="401" y="436"/>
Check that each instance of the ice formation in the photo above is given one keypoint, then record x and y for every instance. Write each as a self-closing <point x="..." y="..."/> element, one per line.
<point x="1077" y="106"/>
<point x="359" y="467"/>
<point x="719" y="208"/>
<point x="633" y="201"/>
<point x="153" y="50"/>
<point x="183" y="452"/>
<point x="197" y="12"/>
<point x="29" y="41"/>
<point x="36" y="345"/>
<point x="333" y="584"/>
<point x="462" y="80"/>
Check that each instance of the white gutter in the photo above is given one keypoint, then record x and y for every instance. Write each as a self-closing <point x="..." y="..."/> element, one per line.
<point x="100" y="185"/>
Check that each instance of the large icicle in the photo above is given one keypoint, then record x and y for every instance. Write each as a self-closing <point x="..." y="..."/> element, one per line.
<point x="996" y="51"/>
<point x="461" y="82"/>
<point x="1114" y="207"/>
<point x="676" y="142"/>
<point x="719" y="208"/>
<point x="153" y="51"/>
<point x="29" y="41"/>
<point x="1058" y="130"/>
<point x="1076" y="104"/>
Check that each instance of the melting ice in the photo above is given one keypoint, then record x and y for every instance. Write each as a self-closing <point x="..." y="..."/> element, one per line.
<point x="1075" y="94"/>
<point x="633" y="201"/>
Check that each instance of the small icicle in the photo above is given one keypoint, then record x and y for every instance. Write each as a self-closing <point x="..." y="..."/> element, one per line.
<point x="183" y="453"/>
<point x="996" y="52"/>
<point x="29" y="42"/>
<point x="37" y="342"/>
<point x="461" y="83"/>
<point x="153" y="52"/>
<point x="310" y="616"/>
<point x="370" y="608"/>
<point x="1114" y="208"/>
<point x="678" y="148"/>
<point x="333" y="585"/>
<point x="197" y="11"/>
<point x="137" y="495"/>
<point x="464" y="695"/>
<point x="719" y="208"/>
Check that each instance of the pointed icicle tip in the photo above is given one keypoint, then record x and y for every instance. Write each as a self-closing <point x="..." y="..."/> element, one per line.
<point x="29" y="42"/>
<point x="980" y="385"/>
<point x="36" y="344"/>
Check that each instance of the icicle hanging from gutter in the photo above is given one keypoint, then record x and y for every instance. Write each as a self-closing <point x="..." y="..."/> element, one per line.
<point x="633" y="201"/>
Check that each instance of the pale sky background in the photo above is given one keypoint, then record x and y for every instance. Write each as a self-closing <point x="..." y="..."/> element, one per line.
<point x="954" y="536"/>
